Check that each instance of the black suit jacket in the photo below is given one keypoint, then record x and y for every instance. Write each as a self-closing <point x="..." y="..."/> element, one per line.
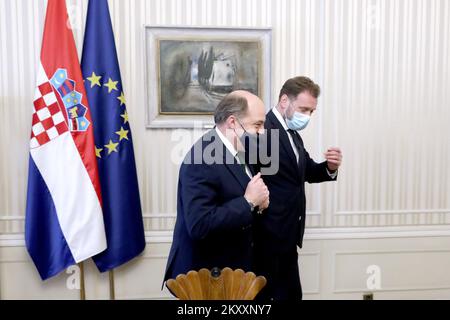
<point x="282" y="225"/>
<point x="214" y="221"/>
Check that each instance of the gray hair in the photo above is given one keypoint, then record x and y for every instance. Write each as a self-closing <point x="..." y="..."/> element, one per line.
<point x="232" y="104"/>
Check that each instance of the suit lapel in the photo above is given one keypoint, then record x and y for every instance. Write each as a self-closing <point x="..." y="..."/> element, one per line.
<point x="252" y="170"/>
<point x="238" y="173"/>
<point x="230" y="162"/>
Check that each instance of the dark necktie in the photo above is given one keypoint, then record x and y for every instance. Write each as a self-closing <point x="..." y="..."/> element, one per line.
<point x="296" y="139"/>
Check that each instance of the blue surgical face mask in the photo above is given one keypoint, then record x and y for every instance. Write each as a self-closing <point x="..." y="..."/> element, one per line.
<point x="298" y="121"/>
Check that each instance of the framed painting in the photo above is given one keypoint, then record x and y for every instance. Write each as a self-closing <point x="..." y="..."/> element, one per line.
<point x="190" y="69"/>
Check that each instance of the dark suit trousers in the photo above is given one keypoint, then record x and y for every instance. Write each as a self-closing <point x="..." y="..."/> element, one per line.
<point x="282" y="274"/>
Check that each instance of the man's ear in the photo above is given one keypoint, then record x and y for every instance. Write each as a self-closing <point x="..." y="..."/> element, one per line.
<point x="231" y="122"/>
<point x="284" y="101"/>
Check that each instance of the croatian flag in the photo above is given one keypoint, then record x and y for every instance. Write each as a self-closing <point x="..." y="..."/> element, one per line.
<point x="64" y="221"/>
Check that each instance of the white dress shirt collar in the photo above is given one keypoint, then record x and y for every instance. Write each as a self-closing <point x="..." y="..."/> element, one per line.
<point x="283" y="123"/>
<point x="226" y="142"/>
<point x="232" y="150"/>
<point x="280" y="118"/>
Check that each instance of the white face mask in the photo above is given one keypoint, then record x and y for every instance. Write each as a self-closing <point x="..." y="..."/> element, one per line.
<point x="298" y="121"/>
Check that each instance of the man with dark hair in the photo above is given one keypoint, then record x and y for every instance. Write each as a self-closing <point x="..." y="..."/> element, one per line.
<point x="219" y="193"/>
<point x="280" y="230"/>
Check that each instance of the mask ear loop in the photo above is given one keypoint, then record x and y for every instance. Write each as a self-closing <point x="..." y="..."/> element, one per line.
<point x="284" y="115"/>
<point x="239" y="121"/>
<point x="234" y="130"/>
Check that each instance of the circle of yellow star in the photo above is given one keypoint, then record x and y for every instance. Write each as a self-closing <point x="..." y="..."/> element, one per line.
<point x="111" y="146"/>
<point x="94" y="79"/>
<point x="112" y="85"/>
<point x="121" y="98"/>
<point x="123" y="134"/>
<point x="97" y="152"/>
<point x="125" y="117"/>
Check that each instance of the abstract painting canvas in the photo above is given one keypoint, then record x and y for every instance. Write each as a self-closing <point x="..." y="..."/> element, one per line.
<point x="189" y="70"/>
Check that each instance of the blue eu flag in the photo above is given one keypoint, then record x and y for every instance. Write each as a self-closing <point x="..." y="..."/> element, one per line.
<point x="113" y="144"/>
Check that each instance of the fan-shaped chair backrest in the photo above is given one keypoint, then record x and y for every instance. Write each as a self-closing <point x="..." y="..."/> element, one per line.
<point x="216" y="284"/>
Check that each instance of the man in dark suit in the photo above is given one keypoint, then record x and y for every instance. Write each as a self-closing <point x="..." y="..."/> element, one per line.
<point x="280" y="229"/>
<point x="218" y="193"/>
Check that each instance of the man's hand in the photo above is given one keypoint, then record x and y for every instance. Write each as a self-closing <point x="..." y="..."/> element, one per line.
<point x="334" y="158"/>
<point x="264" y="205"/>
<point x="257" y="192"/>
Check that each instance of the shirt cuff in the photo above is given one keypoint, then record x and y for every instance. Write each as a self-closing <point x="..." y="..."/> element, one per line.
<point x="332" y="174"/>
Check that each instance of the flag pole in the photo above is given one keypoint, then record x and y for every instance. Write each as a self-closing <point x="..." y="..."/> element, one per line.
<point x="112" y="291"/>
<point x="82" y="287"/>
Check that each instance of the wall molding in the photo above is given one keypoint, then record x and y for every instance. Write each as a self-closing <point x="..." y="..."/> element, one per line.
<point x="389" y="289"/>
<point x="426" y="211"/>
<point x="12" y="218"/>
<point x="168" y="215"/>
<point x="312" y="233"/>
<point x="393" y="289"/>
<point x="317" y="255"/>
<point x="377" y="232"/>
<point x="12" y="240"/>
<point x="17" y="239"/>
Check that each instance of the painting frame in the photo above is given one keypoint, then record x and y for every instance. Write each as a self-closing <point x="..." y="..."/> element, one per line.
<point x="165" y="45"/>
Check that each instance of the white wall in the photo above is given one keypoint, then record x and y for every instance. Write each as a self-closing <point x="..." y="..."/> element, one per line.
<point x="384" y="71"/>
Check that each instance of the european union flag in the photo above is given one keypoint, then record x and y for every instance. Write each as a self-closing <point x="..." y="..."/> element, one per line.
<point x="113" y="144"/>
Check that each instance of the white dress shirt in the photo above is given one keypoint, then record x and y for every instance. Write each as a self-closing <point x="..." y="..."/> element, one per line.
<point x="232" y="150"/>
